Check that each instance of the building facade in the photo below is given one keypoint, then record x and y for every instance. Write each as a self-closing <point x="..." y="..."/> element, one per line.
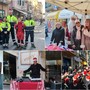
<point x="4" y="7"/>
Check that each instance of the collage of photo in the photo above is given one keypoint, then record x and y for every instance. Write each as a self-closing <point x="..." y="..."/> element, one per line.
<point x="44" y="44"/>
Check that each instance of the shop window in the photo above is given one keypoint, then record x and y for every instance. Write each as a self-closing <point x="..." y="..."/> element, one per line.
<point x="2" y="13"/>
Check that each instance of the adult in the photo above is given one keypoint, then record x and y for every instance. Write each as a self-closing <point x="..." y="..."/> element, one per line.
<point x="35" y="69"/>
<point x="29" y="30"/>
<point x="71" y="24"/>
<point x="86" y="35"/>
<point x="76" y="35"/>
<point x="0" y="32"/>
<point x="5" y="29"/>
<point x="12" y="20"/>
<point x="58" y="35"/>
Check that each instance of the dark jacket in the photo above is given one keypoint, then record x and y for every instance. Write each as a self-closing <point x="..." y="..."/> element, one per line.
<point x="58" y="35"/>
<point x="73" y="35"/>
<point x="75" y="42"/>
<point x="35" y="70"/>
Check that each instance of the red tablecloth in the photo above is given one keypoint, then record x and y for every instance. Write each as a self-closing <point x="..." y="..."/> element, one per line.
<point x="56" y="48"/>
<point x="27" y="85"/>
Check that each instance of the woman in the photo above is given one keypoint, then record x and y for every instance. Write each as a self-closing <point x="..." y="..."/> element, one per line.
<point x="86" y="35"/>
<point x="58" y="35"/>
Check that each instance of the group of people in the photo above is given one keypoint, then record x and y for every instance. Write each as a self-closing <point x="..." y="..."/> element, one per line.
<point x="18" y="29"/>
<point x="72" y="35"/>
<point x="77" y="78"/>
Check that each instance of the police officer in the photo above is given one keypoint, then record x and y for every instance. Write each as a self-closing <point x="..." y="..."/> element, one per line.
<point x="0" y="31"/>
<point x="29" y="29"/>
<point x="5" y="29"/>
<point x="12" y="20"/>
<point x="35" y="69"/>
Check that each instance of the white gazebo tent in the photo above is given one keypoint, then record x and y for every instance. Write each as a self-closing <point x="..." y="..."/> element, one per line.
<point x="78" y="6"/>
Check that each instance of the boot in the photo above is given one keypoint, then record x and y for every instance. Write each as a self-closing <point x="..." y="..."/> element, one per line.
<point x="33" y="46"/>
<point x="6" y="46"/>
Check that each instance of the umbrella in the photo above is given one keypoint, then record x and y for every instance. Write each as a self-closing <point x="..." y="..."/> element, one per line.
<point x="79" y="6"/>
<point x="66" y="14"/>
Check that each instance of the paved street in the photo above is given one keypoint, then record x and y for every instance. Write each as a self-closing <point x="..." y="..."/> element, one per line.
<point x="39" y="39"/>
<point x="6" y="87"/>
<point x="47" y="39"/>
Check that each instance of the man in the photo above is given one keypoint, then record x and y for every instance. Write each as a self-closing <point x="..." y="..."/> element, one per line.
<point x="29" y="29"/>
<point x="0" y="31"/>
<point x="76" y="35"/>
<point x="71" y="24"/>
<point x="58" y="35"/>
<point x="35" y="69"/>
<point x="12" y="20"/>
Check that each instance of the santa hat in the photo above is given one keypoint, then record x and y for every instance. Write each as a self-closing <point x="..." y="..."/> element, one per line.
<point x="34" y="59"/>
<point x="10" y="10"/>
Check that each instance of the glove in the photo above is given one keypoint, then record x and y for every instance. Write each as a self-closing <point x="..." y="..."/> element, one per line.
<point x="5" y="32"/>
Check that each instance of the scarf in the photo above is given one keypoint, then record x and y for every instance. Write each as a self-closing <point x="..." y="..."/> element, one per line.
<point x="78" y="34"/>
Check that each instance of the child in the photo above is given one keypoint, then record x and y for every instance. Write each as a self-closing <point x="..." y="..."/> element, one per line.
<point x="20" y="32"/>
<point x="5" y="29"/>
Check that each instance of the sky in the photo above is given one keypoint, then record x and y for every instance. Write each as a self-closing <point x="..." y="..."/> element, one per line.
<point x="43" y="2"/>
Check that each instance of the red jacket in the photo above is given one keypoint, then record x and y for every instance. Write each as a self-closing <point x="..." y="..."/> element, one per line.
<point x="20" y="30"/>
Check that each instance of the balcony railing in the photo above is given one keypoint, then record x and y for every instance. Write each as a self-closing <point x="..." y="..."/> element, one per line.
<point x="4" y="1"/>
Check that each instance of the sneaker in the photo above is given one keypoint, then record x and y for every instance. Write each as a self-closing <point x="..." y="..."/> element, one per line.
<point x="33" y="46"/>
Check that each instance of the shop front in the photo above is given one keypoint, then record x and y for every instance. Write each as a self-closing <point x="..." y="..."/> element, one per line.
<point x="53" y="64"/>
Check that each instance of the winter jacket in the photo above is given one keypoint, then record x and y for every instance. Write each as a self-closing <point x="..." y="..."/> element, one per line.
<point x="58" y="35"/>
<point x="35" y="70"/>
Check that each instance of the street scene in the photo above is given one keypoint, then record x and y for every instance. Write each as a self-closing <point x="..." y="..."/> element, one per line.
<point x="75" y="70"/>
<point x="32" y="70"/>
<point x="67" y="25"/>
<point x="22" y="25"/>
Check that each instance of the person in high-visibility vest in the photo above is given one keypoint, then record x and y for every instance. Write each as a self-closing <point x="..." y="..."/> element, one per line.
<point x="0" y="32"/>
<point x="29" y="29"/>
<point x="5" y="29"/>
<point x="12" y="20"/>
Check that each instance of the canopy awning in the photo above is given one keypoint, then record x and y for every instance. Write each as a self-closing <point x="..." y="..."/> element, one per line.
<point x="20" y="11"/>
<point x="53" y="15"/>
<point x="79" y="6"/>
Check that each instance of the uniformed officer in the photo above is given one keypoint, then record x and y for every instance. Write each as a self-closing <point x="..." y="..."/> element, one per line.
<point x="5" y="29"/>
<point x="29" y="29"/>
<point x="12" y="20"/>
<point x="0" y="32"/>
